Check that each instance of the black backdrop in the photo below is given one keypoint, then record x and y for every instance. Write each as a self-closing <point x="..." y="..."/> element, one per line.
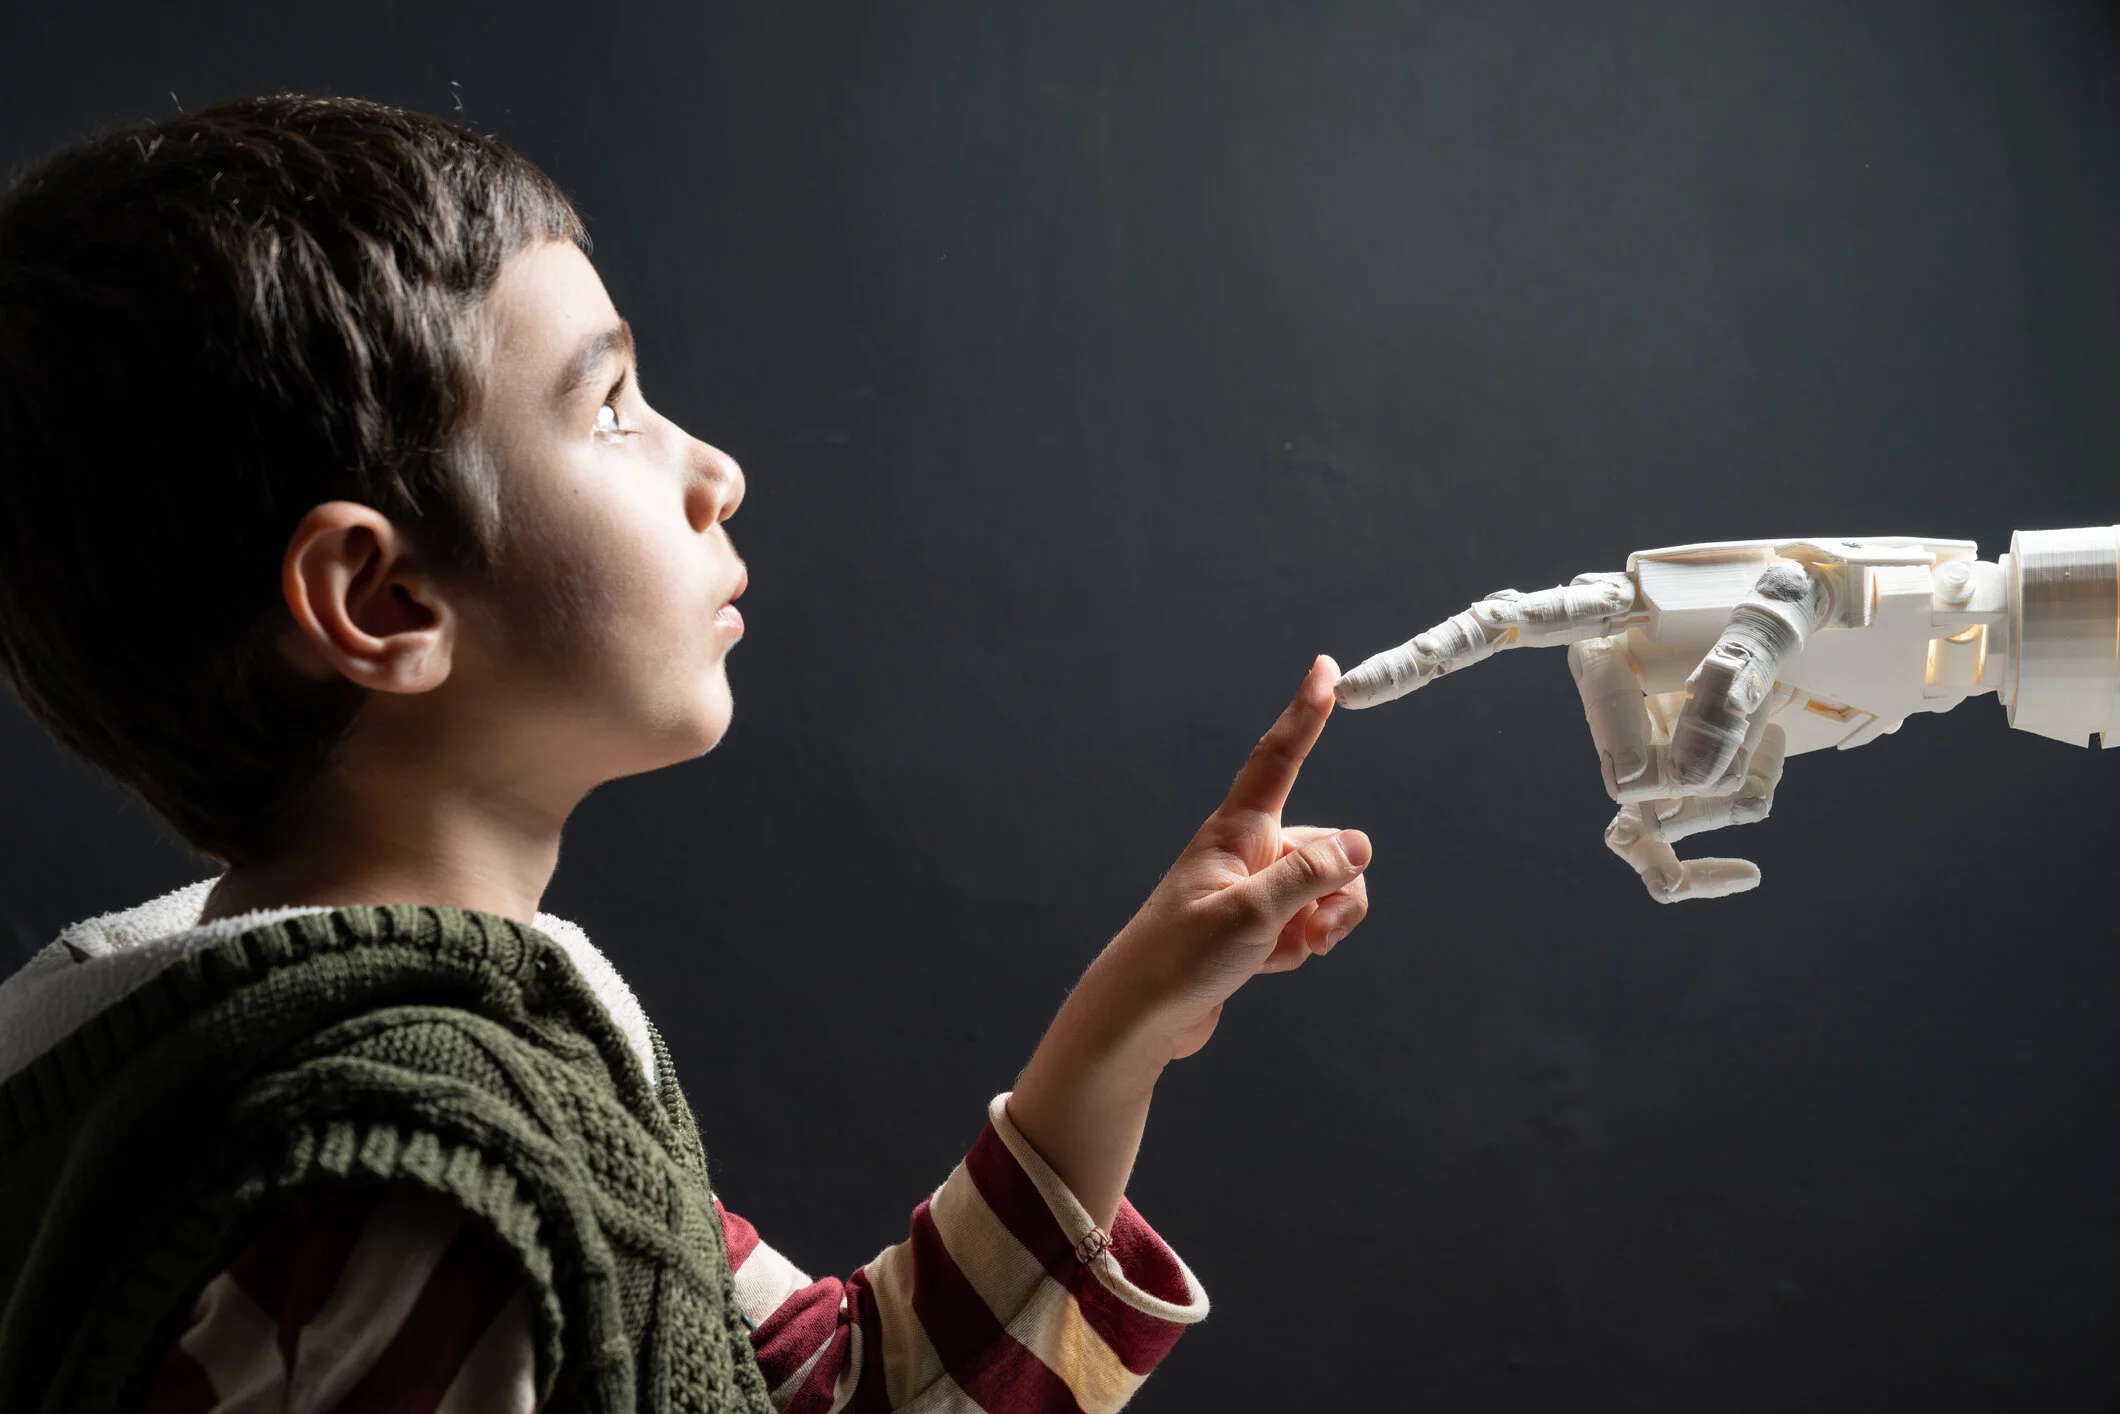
<point x="1094" y="365"/>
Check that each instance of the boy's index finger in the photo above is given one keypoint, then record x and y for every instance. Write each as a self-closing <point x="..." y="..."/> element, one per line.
<point x="1270" y="773"/>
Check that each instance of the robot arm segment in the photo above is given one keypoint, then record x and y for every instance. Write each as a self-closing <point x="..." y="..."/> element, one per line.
<point x="2061" y="674"/>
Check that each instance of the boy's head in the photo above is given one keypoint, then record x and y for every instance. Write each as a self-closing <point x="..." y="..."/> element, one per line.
<point x="322" y="453"/>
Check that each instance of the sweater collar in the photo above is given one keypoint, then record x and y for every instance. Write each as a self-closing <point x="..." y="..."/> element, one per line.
<point x="97" y="961"/>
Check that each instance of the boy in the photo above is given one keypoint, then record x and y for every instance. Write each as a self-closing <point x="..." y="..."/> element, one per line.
<point x="334" y="524"/>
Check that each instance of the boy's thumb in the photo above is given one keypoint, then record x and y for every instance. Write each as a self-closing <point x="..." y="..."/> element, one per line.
<point x="1305" y="874"/>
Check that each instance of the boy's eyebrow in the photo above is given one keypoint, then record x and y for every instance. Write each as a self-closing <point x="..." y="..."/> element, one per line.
<point x="616" y="339"/>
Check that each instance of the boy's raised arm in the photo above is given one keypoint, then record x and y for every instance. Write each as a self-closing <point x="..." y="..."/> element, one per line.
<point x="1027" y="1281"/>
<point x="1248" y="895"/>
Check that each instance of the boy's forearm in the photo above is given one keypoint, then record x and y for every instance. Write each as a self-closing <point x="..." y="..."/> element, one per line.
<point x="1082" y="1102"/>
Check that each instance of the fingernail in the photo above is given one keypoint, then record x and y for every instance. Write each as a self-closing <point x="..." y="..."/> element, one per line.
<point x="1339" y="931"/>
<point x="1355" y="845"/>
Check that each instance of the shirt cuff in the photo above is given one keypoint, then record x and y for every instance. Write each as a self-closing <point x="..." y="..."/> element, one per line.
<point x="1135" y="1265"/>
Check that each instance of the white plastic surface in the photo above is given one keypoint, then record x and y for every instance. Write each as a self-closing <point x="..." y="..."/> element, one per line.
<point x="1701" y="667"/>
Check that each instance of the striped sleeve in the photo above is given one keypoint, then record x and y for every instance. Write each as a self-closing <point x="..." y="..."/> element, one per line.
<point x="985" y="1306"/>
<point x="380" y="1300"/>
<point x="387" y="1299"/>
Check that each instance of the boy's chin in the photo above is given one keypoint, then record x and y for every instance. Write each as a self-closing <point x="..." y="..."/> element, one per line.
<point x="710" y="740"/>
<point x="713" y="721"/>
<point x="674" y="737"/>
<point x="672" y="748"/>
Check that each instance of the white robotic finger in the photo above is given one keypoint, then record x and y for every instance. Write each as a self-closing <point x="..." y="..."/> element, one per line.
<point x="1634" y="835"/>
<point x="1583" y="608"/>
<point x="1633" y="733"/>
<point x="1644" y="830"/>
<point x="1749" y="802"/>
<point x="1733" y="681"/>
<point x="1612" y="703"/>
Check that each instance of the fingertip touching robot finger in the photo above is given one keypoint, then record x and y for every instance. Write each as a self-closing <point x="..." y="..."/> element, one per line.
<point x="1702" y="667"/>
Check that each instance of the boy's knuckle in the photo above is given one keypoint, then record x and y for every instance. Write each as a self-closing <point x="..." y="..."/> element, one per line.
<point x="1246" y="908"/>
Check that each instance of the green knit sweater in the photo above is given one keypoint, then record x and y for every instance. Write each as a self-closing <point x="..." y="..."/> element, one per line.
<point x="441" y="1047"/>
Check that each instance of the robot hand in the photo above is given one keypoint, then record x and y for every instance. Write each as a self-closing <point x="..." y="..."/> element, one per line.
<point x="1702" y="667"/>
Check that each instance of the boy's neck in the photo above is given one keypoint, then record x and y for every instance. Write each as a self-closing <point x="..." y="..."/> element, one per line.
<point x="455" y="850"/>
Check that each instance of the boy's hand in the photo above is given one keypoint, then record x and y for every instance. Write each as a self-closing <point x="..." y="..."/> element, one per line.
<point x="1248" y="895"/>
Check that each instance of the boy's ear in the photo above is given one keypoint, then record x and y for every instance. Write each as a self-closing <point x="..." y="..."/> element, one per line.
<point x="362" y="605"/>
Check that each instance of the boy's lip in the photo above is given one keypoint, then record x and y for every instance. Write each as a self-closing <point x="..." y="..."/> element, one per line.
<point x="743" y="582"/>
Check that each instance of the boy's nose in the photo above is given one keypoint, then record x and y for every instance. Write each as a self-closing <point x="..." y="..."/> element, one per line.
<point x="718" y="487"/>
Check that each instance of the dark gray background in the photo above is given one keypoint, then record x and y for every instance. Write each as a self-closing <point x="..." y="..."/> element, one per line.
<point x="1096" y="364"/>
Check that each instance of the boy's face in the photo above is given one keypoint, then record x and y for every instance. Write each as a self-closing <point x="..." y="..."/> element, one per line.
<point x="599" y="647"/>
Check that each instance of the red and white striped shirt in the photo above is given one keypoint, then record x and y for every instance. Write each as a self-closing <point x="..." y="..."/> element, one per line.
<point x="1002" y="1298"/>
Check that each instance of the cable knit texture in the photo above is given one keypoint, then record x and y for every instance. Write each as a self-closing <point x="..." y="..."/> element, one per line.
<point x="454" y="1050"/>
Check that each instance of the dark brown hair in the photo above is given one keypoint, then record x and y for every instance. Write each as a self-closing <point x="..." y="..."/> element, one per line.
<point x="208" y="325"/>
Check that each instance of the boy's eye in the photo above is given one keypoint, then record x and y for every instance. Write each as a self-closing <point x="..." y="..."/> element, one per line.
<point x="607" y="415"/>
